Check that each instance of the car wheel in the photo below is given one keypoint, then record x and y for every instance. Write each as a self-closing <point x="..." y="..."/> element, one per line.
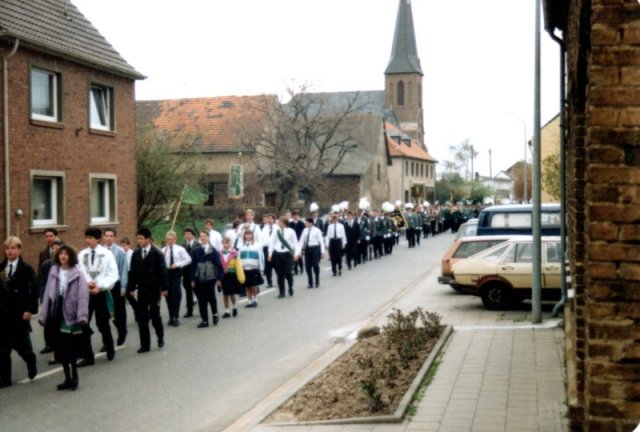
<point x="496" y="296"/>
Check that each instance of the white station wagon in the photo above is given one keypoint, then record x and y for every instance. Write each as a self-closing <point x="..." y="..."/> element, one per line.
<point x="502" y="275"/>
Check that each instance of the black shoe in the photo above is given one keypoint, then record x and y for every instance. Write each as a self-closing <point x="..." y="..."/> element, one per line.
<point x="280" y="295"/>
<point x="334" y="275"/>
<point x="32" y="369"/>
<point x="46" y="350"/>
<point x="216" y="319"/>
<point x="309" y="286"/>
<point x="318" y="285"/>
<point x="248" y="305"/>
<point x="52" y="362"/>
<point x="290" y="292"/>
<point x="121" y="338"/>
<point x="203" y="324"/>
<point x="141" y="350"/>
<point x="160" y="341"/>
<point x="339" y="272"/>
<point x="188" y="315"/>
<point x="111" y="353"/>
<point x="234" y="312"/>
<point x="86" y="362"/>
<point x="170" y="322"/>
<point x="176" y="322"/>
<point x="226" y="315"/>
<point x="65" y="385"/>
<point x="269" y="285"/>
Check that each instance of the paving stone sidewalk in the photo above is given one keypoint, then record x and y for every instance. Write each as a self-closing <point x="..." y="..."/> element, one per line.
<point x="491" y="378"/>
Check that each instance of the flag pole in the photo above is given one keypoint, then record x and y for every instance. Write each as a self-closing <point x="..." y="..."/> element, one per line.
<point x="175" y="216"/>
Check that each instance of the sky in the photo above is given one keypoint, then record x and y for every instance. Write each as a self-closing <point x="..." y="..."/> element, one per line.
<point x="477" y="58"/>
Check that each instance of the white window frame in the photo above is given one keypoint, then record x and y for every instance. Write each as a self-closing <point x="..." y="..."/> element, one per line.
<point x="106" y="105"/>
<point x="56" y="193"/>
<point x="53" y="89"/>
<point x="109" y="203"/>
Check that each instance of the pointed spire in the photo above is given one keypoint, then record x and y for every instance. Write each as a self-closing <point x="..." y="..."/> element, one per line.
<point x="404" y="54"/>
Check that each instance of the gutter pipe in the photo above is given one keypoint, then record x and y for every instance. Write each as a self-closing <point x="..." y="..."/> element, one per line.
<point x="5" y="111"/>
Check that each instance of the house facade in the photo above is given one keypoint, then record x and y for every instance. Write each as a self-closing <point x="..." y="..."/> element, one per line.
<point x="68" y="122"/>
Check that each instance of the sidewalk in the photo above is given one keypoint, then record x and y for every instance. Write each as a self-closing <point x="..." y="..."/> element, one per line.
<point x="491" y="378"/>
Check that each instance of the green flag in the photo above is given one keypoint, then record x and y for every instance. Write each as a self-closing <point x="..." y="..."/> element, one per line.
<point x="194" y="196"/>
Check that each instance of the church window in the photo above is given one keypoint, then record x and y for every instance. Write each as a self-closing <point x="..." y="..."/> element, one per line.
<point x="401" y="93"/>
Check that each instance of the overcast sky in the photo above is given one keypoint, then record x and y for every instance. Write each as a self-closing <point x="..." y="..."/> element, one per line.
<point x="477" y="58"/>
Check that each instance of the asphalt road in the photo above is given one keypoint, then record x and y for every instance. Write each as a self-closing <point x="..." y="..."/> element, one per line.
<point x="205" y="379"/>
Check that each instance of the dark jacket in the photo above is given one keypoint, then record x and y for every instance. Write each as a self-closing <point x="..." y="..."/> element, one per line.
<point x="352" y="233"/>
<point x="19" y="294"/>
<point x="199" y="256"/>
<point x="298" y="226"/>
<point x="188" y="269"/>
<point x="148" y="276"/>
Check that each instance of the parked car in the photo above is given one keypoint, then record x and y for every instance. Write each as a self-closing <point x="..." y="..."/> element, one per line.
<point x="467" y="229"/>
<point x="464" y="248"/>
<point x="516" y="220"/>
<point x="502" y="275"/>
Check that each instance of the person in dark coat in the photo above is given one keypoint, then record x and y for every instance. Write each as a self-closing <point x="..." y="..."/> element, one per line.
<point x="18" y="302"/>
<point x="65" y="309"/>
<point x="190" y="245"/>
<point x="352" y="231"/>
<point x="148" y="278"/>
<point x="204" y="277"/>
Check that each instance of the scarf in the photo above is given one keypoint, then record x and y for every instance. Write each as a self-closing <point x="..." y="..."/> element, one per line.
<point x="226" y="260"/>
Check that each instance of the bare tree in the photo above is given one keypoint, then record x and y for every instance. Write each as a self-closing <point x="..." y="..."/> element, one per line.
<point x="463" y="155"/>
<point x="165" y="167"/>
<point x="296" y="145"/>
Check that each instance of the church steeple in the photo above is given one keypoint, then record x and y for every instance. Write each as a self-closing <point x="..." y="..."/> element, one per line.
<point x="403" y="76"/>
<point x="404" y="54"/>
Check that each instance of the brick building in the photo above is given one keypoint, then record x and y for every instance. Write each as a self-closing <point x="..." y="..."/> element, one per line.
<point x="602" y="45"/>
<point x="68" y="121"/>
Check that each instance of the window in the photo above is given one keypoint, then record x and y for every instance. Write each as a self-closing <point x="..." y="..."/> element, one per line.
<point x="45" y="96"/>
<point x="270" y="199"/>
<point x="101" y="107"/>
<point x="46" y="198"/>
<point x="102" y="199"/>
<point x="406" y="167"/>
<point x="401" y="93"/>
<point x="379" y="176"/>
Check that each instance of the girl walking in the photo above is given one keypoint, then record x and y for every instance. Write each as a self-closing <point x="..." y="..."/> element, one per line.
<point x="252" y="259"/>
<point x="233" y="278"/>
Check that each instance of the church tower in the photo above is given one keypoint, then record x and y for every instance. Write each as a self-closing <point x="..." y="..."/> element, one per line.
<point x="403" y="76"/>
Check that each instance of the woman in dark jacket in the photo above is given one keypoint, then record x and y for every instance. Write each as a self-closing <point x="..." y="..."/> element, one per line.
<point x="65" y="309"/>
<point x="206" y="270"/>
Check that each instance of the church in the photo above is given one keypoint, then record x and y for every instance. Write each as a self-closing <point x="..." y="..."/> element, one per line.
<point x="389" y="163"/>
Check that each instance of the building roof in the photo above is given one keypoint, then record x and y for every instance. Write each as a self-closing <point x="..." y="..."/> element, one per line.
<point x="400" y="144"/>
<point x="404" y="52"/>
<point x="58" y="27"/>
<point x="211" y="123"/>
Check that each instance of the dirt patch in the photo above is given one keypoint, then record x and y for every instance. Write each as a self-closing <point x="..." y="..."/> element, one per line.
<point x="369" y="379"/>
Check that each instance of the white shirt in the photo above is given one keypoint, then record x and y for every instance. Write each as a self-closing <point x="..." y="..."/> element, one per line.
<point x="181" y="257"/>
<point x="215" y="240"/>
<point x="268" y="230"/>
<point x="312" y="237"/>
<point x="290" y="237"/>
<point x="63" y="276"/>
<point x="12" y="266"/>
<point x="336" y="230"/>
<point x="254" y="228"/>
<point x="103" y="271"/>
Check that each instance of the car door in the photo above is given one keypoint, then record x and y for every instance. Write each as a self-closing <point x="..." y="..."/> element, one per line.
<point x="516" y="265"/>
<point x="552" y="260"/>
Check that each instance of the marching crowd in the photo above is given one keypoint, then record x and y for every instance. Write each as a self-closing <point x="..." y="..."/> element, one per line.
<point x="70" y="287"/>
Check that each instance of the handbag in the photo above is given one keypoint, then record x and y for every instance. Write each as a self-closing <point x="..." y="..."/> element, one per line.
<point x="206" y="271"/>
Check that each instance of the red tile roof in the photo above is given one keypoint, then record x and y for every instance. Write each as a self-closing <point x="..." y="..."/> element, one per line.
<point x="212" y="122"/>
<point x="398" y="148"/>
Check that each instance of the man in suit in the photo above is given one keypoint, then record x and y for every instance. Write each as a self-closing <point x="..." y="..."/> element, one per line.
<point x="268" y="230"/>
<point x="175" y="258"/>
<point x="119" y="290"/>
<point x="148" y="278"/>
<point x="190" y="244"/>
<point x="297" y="225"/>
<point x="365" y="236"/>
<point x="352" y="232"/>
<point x="18" y="302"/>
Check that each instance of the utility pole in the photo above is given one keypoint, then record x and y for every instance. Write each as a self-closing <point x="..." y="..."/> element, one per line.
<point x="536" y="288"/>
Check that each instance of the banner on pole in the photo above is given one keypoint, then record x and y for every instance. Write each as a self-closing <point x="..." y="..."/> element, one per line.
<point x="236" y="186"/>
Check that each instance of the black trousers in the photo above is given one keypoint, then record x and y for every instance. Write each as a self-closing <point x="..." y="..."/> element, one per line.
<point x="97" y="305"/>
<point x="363" y="250"/>
<point x="268" y="267"/>
<point x="418" y="234"/>
<point x="388" y="244"/>
<point x="298" y="266"/>
<point x="14" y="336"/>
<point x="188" y="292"/>
<point x="206" y="293"/>
<point x="335" y="255"/>
<point x="352" y="254"/>
<point x="149" y="310"/>
<point x="283" y="265"/>
<point x="377" y="246"/>
<point x="174" y="296"/>
<point x="119" y="309"/>
<point x="411" y="237"/>
<point x="312" y="263"/>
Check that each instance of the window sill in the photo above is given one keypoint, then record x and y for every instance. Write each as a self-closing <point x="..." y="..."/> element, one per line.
<point x="108" y="224"/>
<point x="102" y="132"/>
<point x="42" y="228"/>
<point x="44" y="123"/>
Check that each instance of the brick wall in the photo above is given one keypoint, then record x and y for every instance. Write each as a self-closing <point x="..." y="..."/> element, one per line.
<point x="69" y="147"/>
<point x="603" y="353"/>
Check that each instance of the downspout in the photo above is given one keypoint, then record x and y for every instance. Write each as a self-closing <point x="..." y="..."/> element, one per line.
<point x="563" y="183"/>
<point x="5" y="111"/>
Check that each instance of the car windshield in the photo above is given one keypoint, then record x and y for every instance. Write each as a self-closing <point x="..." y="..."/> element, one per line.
<point x="493" y="257"/>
